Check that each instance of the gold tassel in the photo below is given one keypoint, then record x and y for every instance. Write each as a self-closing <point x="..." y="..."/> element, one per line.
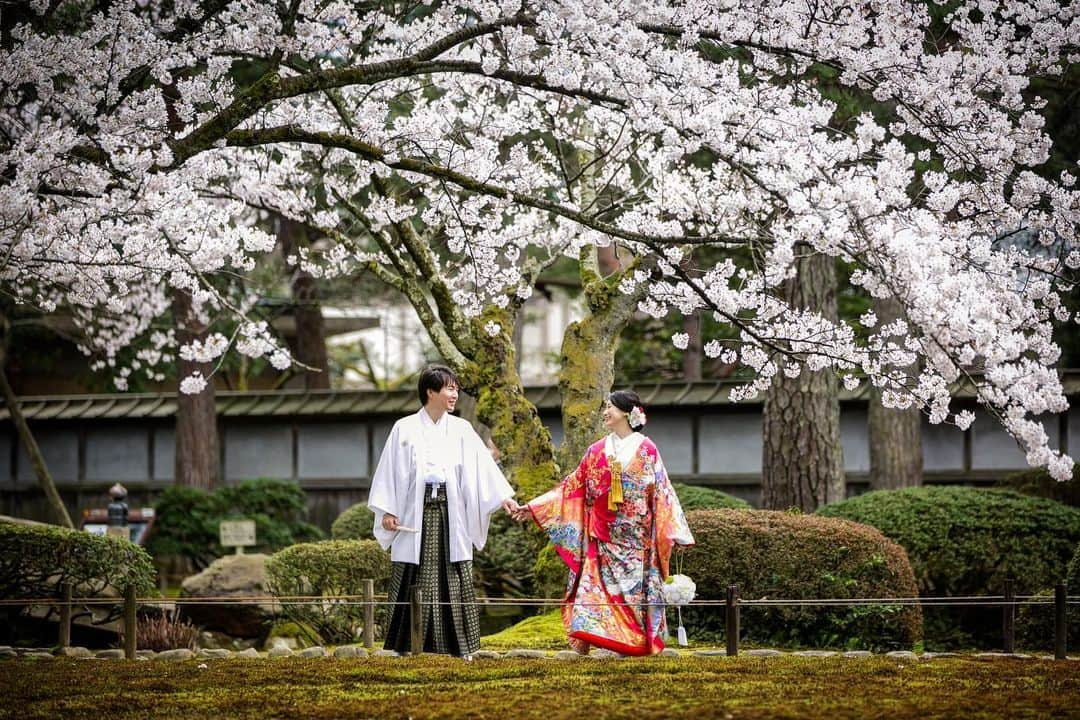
<point x="615" y="493"/>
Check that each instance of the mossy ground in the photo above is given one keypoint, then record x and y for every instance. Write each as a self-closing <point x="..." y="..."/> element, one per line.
<point x="636" y="688"/>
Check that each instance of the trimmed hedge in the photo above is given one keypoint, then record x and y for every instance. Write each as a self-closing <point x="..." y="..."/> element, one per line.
<point x="355" y="523"/>
<point x="188" y="518"/>
<point x="1035" y="623"/>
<point x="771" y="554"/>
<point x="967" y="541"/>
<point x="696" y="497"/>
<point x="36" y="559"/>
<point x="330" y="567"/>
<point x="1037" y="482"/>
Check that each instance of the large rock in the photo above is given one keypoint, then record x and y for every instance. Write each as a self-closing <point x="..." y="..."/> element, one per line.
<point x="233" y="576"/>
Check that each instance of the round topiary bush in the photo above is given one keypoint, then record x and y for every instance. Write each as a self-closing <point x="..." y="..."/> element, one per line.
<point x="696" y="497"/>
<point x="327" y="568"/>
<point x="780" y="555"/>
<point x="967" y="541"/>
<point x="356" y="523"/>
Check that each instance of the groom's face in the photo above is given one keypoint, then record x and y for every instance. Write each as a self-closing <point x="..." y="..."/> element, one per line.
<point x="445" y="399"/>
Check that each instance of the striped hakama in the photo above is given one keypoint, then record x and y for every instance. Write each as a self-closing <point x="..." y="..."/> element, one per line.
<point x="451" y="619"/>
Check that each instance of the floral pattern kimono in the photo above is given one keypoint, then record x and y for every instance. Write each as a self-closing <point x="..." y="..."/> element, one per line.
<point x="607" y="533"/>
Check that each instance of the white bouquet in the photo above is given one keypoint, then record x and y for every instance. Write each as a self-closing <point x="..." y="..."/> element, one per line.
<point x="679" y="590"/>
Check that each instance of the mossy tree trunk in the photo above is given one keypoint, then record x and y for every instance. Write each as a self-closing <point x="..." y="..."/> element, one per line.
<point x="310" y="345"/>
<point x="587" y="360"/>
<point x="802" y="459"/>
<point x="896" y="458"/>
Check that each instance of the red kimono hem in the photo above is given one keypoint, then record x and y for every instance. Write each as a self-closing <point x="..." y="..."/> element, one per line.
<point x="616" y="646"/>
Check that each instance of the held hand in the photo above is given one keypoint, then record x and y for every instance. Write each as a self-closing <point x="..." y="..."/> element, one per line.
<point x="390" y="522"/>
<point x="510" y="507"/>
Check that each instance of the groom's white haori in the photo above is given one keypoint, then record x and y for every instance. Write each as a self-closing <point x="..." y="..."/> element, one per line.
<point x="475" y="487"/>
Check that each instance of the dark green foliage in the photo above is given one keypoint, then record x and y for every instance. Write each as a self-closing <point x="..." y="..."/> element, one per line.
<point x="356" y="523"/>
<point x="1038" y="483"/>
<point x="779" y="555"/>
<point x="550" y="573"/>
<point x="36" y="559"/>
<point x="188" y="518"/>
<point x="504" y="568"/>
<point x="696" y="497"/>
<point x="966" y="541"/>
<point x="328" y="568"/>
<point x="1035" y="623"/>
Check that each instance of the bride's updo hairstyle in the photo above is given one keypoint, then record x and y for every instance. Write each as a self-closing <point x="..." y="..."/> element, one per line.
<point x="627" y="400"/>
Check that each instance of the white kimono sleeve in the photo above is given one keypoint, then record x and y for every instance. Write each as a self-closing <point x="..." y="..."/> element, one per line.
<point x="388" y="494"/>
<point x="484" y="487"/>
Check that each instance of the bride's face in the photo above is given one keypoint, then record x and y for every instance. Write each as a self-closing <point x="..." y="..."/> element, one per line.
<point x="613" y="416"/>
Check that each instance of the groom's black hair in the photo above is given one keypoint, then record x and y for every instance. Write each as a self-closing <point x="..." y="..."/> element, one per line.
<point x="627" y="400"/>
<point x="434" y="378"/>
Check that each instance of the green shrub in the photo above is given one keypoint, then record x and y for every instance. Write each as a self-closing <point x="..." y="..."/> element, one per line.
<point x="1035" y="623"/>
<point x="779" y="555"/>
<point x="504" y="568"/>
<point x="327" y="568"/>
<point x="356" y="523"/>
<point x="1038" y="483"/>
<point x="36" y="559"/>
<point x="550" y="573"/>
<point x="696" y="497"/>
<point x="188" y="518"/>
<point x="967" y="541"/>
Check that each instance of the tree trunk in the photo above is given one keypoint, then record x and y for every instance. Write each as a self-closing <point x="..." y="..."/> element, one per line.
<point x="525" y="448"/>
<point x="586" y="374"/>
<point x="896" y="458"/>
<point x="310" y="346"/>
<point x="802" y="459"/>
<point x="198" y="455"/>
<point x="691" y="357"/>
<point x="52" y="495"/>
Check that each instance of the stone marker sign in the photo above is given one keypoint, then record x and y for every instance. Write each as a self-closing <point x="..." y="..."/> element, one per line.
<point x="238" y="534"/>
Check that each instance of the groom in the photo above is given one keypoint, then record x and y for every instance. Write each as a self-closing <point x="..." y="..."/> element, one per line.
<point x="433" y="493"/>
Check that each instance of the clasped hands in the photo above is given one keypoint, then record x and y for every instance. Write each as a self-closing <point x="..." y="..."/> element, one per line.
<point x="519" y="513"/>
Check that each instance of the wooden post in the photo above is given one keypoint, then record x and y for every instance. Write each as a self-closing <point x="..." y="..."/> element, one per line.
<point x="368" y="589"/>
<point x="733" y="620"/>
<point x="129" y="622"/>
<point x="65" y="615"/>
<point x="1008" y="616"/>
<point x="416" y="620"/>
<point x="1059" y="621"/>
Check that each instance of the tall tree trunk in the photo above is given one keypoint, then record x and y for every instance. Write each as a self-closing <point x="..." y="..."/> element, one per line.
<point x="310" y="346"/>
<point x="691" y="357"/>
<point x="198" y="453"/>
<point x="896" y="458"/>
<point x="802" y="459"/>
<point x="52" y="495"/>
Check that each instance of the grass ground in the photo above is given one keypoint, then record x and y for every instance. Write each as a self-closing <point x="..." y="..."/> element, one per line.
<point x="512" y="689"/>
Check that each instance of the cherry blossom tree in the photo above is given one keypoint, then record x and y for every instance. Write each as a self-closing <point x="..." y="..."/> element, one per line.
<point x="141" y="142"/>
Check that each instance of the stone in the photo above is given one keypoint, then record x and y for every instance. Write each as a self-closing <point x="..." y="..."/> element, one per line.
<point x="350" y="651"/>
<point x="111" y="654"/>
<point x="232" y="576"/>
<point x="711" y="653"/>
<point x="246" y="653"/>
<point x="568" y="655"/>
<point x="279" y="652"/>
<point x="215" y="653"/>
<point x="932" y="655"/>
<point x="281" y="641"/>
<point x="8" y="653"/>
<point x="523" y="653"/>
<point x="858" y="654"/>
<point x="38" y="655"/>
<point x="486" y="655"/>
<point x="815" y="653"/>
<point x="763" y="652"/>
<point x="387" y="653"/>
<point x="174" y="655"/>
<point x="902" y="654"/>
<point x="313" y="652"/>
<point x="73" y="652"/>
<point x="1013" y="656"/>
<point x="604" y="654"/>
<point x="670" y="652"/>
<point x="144" y="654"/>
